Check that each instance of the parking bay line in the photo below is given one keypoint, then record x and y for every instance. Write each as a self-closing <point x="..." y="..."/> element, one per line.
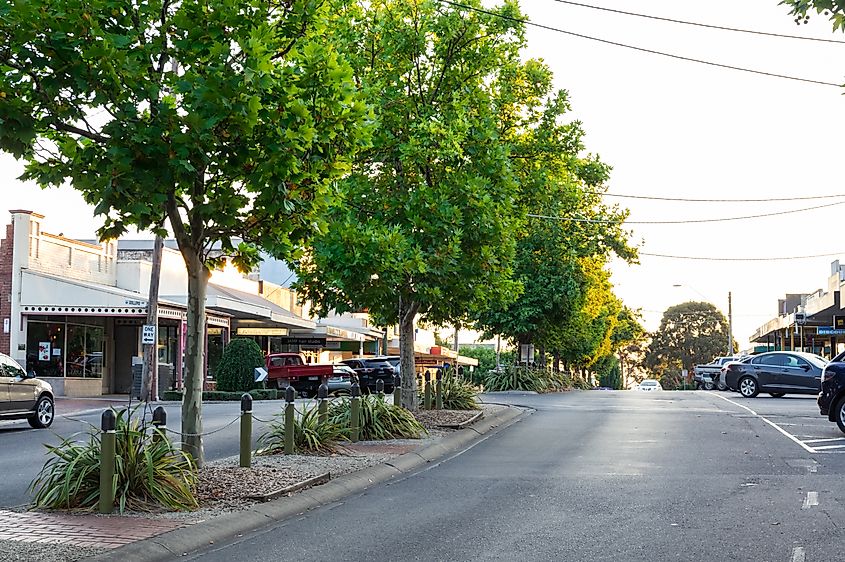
<point x="798" y="554"/>
<point x="771" y="423"/>
<point x="825" y="440"/>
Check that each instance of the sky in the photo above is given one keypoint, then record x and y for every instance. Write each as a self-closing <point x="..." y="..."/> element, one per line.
<point x="673" y="128"/>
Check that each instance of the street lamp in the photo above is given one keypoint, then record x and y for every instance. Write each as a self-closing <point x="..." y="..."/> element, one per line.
<point x="730" y="315"/>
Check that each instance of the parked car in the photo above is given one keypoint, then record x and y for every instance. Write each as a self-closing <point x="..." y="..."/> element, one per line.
<point x="832" y="396"/>
<point x="26" y="397"/>
<point x="290" y="369"/>
<point x="370" y="370"/>
<point x="394" y="361"/>
<point x="776" y="372"/>
<point x="649" y="385"/>
<point x="706" y="376"/>
<point x="340" y="383"/>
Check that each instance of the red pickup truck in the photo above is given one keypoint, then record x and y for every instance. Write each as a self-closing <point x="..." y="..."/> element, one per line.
<point x="285" y="369"/>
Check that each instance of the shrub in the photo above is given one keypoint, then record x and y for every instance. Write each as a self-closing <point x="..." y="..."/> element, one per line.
<point x="379" y="419"/>
<point x="218" y="396"/>
<point x="309" y="435"/>
<point x="149" y="472"/>
<point x="458" y="394"/>
<point x="516" y="377"/>
<point x="235" y="372"/>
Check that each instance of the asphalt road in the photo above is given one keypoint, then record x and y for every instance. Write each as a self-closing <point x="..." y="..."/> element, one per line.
<point x="600" y="476"/>
<point x="22" y="451"/>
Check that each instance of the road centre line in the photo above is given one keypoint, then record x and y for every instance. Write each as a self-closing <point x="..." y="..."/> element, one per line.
<point x="798" y="554"/>
<point x="774" y="425"/>
<point x="811" y="500"/>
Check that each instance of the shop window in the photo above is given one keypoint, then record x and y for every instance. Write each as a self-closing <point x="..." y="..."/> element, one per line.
<point x="84" y="351"/>
<point x="45" y="342"/>
<point x="167" y="344"/>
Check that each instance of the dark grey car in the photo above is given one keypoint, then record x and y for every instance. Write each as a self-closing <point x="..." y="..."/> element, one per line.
<point x="776" y="372"/>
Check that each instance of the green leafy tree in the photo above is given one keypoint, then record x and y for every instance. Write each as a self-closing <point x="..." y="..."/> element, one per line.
<point x="236" y="370"/>
<point x="689" y="334"/>
<point x="425" y="220"/>
<point x="227" y="120"/>
<point x="832" y="9"/>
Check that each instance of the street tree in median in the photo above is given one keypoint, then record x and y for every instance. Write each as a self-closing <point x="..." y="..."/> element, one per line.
<point x="227" y="120"/>
<point x="425" y="223"/>
<point x="690" y="333"/>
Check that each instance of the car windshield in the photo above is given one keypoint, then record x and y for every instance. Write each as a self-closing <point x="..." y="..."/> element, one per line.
<point x="814" y="359"/>
<point x="649" y="383"/>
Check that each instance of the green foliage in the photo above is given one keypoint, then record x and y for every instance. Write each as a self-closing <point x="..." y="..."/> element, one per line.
<point x="426" y="215"/>
<point x="457" y="393"/>
<point x="218" y="396"/>
<point x="309" y="435"/>
<point x="235" y="371"/>
<point x="516" y="377"/>
<point x="232" y="121"/>
<point x="150" y="472"/>
<point x="486" y="361"/>
<point x="611" y="374"/>
<point x="379" y="419"/>
<point x="834" y="10"/>
<point x="689" y="334"/>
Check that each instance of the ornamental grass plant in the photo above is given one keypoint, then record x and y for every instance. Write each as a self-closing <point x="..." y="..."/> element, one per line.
<point x="150" y="472"/>
<point x="379" y="419"/>
<point x="309" y="434"/>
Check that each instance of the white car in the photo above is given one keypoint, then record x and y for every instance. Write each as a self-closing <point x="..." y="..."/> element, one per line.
<point x="649" y="385"/>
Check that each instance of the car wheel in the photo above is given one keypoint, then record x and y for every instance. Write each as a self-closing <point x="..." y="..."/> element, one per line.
<point x="748" y="387"/>
<point x="722" y="386"/>
<point x="777" y="394"/>
<point x="708" y="386"/>
<point x="44" y="413"/>
<point x="839" y="414"/>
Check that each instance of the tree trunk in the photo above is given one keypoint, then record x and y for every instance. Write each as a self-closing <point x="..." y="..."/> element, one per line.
<point x="194" y="358"/>
<point x="542" y="362"/>
<point x="557" y="361"/>
<point x="407" y="312"/>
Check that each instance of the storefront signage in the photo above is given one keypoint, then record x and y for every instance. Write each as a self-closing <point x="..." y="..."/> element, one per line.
<point x="44" y="351"/>
<point x="148" y="334"/>
<point x="215" y="331"/>
<point x="839" y="322"/>
<point x="134" y="302"/>
<point x="6" y="325"/>
<point x="304" y="340"/>
<point x="262" y="331"/>
<point x="831" y="331"/>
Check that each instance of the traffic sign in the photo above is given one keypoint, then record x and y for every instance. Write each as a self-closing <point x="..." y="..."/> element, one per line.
<point x="148" y="334"/>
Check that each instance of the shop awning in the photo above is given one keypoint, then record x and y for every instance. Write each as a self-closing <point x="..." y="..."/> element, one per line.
<point x="247" y="306"/>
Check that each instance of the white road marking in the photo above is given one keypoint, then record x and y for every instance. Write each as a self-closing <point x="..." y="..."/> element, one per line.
<point x="774" y="425"/>
<point x="811" y="500"/>
<point x="829" y="447"/>
<point x="823" y="440"/>
<point x="798" y="554"/>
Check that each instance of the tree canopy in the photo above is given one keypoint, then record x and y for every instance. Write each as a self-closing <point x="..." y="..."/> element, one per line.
<point x="227" y="120"/>
<point x="690" y="333"/>
<point x="424" y="222"/>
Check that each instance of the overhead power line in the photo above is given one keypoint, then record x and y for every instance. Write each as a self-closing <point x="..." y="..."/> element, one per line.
<point x="699" y="24"/>
<point x="777" y="258"/>
<point x="640" y="49"/>
<point x="691" y="200"/>
<point x="686" y="221"/>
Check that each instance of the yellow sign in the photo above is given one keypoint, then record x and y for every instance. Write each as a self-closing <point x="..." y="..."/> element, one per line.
<point x="262" y="331"/>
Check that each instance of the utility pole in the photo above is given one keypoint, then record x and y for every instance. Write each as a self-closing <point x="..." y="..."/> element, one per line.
<point x="730" y="327"/>
<point x="149" y="379"/>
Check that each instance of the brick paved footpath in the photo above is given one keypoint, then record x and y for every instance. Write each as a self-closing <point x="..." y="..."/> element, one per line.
<point x="80" y="530"/>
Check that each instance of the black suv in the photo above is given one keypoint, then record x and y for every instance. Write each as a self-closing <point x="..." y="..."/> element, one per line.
<point x="371" y="370"/>
<point x="832" y="396"/>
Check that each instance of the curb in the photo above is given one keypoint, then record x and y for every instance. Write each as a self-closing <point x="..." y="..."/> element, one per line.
<point x="235" y="524"/>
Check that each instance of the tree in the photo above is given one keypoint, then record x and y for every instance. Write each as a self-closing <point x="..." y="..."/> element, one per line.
<point x="425" y="220"/>
<point x="832" y="9"/>
<point x="562" y="184"/>
<point x="689" y="334"/>
<point x="236" y="370"/>
<point x="228" y="120"/>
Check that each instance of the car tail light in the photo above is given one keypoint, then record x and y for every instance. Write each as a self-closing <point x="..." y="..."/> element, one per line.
<point x="827" y="375"/>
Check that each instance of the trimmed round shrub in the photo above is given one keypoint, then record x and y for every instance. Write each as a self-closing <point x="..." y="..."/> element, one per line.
<point x="236" y="370"/>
